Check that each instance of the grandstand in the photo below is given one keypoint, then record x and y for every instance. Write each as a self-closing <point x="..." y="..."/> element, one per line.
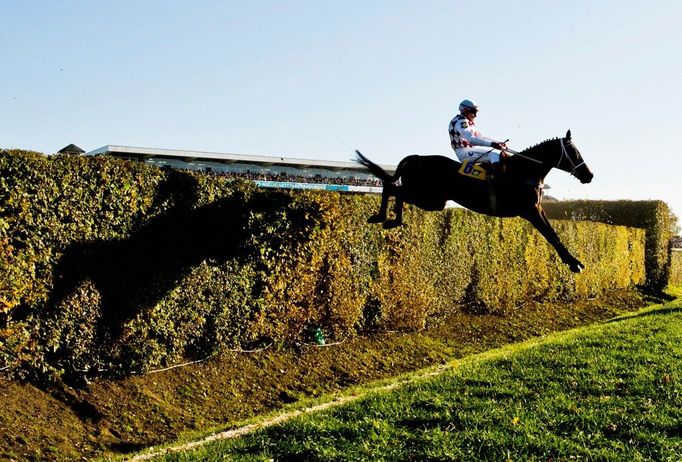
<point x="265" y="171"/>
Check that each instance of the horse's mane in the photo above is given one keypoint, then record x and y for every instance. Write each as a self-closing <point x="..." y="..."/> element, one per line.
<point x="537" y="147"/>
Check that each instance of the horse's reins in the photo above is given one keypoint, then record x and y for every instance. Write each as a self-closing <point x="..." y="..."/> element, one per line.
<point x="564" y="153"/>
<point x="516" y="153"/>
<point x="511" y="151"/>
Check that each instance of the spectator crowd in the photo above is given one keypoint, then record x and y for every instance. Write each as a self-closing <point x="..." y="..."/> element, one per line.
<point x="284" y="177"/>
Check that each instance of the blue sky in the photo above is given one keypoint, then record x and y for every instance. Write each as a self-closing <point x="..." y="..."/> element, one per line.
<point x="317" y="79"/>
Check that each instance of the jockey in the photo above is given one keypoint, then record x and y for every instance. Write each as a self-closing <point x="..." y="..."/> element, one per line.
<point x="468" y="142"/>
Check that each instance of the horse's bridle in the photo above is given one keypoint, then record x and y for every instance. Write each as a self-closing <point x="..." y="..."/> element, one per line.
<point x="564" y="153"/>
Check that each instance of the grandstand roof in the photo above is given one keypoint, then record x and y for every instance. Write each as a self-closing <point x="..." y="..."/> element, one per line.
<point x="116" y="150"/>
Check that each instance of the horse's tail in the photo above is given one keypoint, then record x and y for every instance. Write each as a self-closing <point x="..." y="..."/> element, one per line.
<point x="376" y="170"/>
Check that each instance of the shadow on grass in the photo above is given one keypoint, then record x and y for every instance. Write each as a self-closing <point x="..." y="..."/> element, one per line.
<point x="659" y="312"/>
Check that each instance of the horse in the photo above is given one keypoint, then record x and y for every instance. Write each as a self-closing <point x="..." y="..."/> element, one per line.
<point x="428" y="182"/>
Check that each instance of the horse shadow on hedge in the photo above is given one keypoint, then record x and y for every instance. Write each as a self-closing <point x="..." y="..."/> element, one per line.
<point x="134" y="274"/>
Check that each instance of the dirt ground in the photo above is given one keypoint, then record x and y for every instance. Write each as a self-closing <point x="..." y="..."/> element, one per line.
<point x="113" y="417"/>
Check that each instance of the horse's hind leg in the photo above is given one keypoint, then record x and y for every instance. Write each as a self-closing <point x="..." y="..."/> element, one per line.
<point x="398" y="221"/>
<point x="385" y="194"/>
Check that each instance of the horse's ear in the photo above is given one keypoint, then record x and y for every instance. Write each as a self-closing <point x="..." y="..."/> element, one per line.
<point x="568" y="135"/>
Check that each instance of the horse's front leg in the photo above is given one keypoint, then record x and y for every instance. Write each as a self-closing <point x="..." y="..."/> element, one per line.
<point x="539" y="220"/>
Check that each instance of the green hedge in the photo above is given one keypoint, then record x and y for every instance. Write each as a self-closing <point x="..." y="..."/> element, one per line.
<point x="654" y="217"/>
<point x="676" y="268"/>
<point x="111" y="266"/>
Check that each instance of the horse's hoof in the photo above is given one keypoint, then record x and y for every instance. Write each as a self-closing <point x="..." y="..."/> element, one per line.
<point x="376" y="219"/>
<point x="390" y="224"/>
<point x="577" y="267"/>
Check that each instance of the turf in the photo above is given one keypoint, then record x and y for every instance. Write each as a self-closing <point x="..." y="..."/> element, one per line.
<point x="612" y="391"/>
<point x="114" y="417"/>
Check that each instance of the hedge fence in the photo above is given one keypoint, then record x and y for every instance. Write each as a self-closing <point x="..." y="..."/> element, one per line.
<point x="676" y="267"/>
<point x="110" y="266"/>
<point x="655" y="217"/>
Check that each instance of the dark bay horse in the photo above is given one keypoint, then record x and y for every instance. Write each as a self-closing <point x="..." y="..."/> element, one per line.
<point x="429" y="181"/>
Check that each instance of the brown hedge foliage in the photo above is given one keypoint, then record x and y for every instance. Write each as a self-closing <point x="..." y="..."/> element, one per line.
<point x="654" y="217"/>
<point x="111" y="267"/>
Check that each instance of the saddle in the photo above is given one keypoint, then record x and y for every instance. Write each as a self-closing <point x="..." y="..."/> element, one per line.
<point x="487" y="173"/>
<point x="473" y="170"/>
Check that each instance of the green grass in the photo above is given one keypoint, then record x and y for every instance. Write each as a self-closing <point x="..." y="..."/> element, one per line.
<point x="604" y="393"/>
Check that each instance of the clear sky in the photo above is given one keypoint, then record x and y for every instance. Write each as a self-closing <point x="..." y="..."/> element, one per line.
<point x="317" y="79"/>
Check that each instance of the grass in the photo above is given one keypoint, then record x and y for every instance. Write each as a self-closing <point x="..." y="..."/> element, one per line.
<point x="607" y="392"/>
<point x="111" y="418"/>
